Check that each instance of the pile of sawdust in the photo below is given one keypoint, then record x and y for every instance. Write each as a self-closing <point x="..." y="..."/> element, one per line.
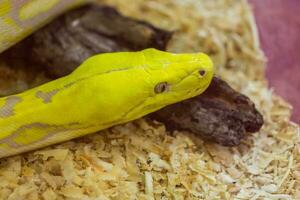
<point x="142" y="161"/>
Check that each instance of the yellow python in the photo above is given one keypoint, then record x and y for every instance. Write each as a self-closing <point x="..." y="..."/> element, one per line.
<point x="106" y="90"/>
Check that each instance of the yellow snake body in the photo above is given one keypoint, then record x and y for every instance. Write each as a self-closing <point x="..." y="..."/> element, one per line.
<point x="106" y="90"/>
<point x="19" y="18"/>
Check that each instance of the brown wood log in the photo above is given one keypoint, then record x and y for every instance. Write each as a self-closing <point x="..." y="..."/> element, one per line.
<point x="221" y="114"/>
<point x="62" y="45"/>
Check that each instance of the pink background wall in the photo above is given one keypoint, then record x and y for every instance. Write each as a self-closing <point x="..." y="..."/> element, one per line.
<point x="279" y="28"/>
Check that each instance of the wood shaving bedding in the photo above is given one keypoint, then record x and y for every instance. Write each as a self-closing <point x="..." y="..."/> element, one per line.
<point x="140" y="160"/>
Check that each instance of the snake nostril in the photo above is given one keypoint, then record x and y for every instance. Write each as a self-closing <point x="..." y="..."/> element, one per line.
<point x="202" y="72"/>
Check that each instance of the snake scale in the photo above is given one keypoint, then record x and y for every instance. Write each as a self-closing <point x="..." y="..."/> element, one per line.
<point x="104" y="91"/>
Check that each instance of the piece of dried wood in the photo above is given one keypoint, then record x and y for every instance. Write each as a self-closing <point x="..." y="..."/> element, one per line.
<point x="78" y="34"/>
<point x="220" y="114"/>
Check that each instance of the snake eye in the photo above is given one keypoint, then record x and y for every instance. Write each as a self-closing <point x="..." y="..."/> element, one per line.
<point x="161" y="87"/>
<point x="202" y="72"/>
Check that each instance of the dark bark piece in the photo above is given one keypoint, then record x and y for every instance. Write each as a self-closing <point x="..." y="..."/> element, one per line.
<point x="220" y="114"/>
<point x="62" y="45"/>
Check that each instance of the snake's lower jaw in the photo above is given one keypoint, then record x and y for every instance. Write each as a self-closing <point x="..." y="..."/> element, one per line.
<point x="195" y="89"/>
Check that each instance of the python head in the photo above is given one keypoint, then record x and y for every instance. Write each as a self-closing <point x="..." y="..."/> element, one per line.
<point x="170" y="78"/>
